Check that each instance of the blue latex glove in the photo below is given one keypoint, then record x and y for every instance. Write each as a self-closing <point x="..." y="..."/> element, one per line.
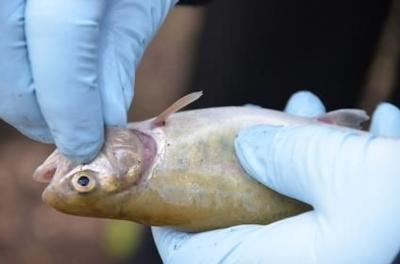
<point x="67" y="66"/>
<point x="351" y="180"/>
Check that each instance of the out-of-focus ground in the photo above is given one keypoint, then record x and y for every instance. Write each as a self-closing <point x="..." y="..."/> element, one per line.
<point x="31" y="231"/>
<point x="383" y="72"/>
<point x="165" y="71"/>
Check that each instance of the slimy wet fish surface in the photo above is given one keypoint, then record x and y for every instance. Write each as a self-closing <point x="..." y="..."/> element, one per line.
<point x="178" y="170"/>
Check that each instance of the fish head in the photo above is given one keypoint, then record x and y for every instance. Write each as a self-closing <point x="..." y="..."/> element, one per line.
<point x="97" y="189"/>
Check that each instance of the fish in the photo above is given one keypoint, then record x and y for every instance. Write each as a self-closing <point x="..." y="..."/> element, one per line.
<point x="178" y="170"/>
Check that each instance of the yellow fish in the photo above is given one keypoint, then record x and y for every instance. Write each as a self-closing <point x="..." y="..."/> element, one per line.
<point x="178" y="170"/>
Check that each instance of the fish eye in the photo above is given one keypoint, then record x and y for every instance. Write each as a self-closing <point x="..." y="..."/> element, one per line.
<point x="84" y="181"/>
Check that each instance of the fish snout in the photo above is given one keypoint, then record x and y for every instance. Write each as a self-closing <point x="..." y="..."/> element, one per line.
<point x="49" y="196"/>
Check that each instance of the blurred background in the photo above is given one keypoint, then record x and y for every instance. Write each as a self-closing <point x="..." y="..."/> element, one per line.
<point x="237" y="52"/>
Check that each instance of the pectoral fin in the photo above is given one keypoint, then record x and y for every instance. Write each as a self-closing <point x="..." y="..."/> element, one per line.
<point x="352" y="118"/>
<point x="175" y="107"/>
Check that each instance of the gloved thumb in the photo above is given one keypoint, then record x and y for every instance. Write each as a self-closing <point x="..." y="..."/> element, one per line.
<point x="292" y="160"/>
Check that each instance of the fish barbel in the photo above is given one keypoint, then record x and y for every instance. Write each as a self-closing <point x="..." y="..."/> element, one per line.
<point x="178" y="170"/>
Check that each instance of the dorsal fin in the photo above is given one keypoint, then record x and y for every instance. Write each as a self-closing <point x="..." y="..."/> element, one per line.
<point x="175" y="107"/>
<point x="352" y="118"/>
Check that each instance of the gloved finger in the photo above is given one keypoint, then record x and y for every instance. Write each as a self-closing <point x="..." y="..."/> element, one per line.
<point x="306" y="104"/>
<point x="386" y="121"/>
<point x="122" y="50"/>
<point x="274" y="243"/>
<point x="295" y="160"/>
<point x="63" y="40"/>
<point x="18" y="105"/>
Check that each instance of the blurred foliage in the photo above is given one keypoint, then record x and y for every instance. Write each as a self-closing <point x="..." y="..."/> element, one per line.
<point x="122" y="238"/>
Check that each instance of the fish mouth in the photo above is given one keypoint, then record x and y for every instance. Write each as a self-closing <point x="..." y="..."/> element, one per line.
<point x="44" y="177"/>
<point x="53" y="198"/>
<point x="48" y="195"/>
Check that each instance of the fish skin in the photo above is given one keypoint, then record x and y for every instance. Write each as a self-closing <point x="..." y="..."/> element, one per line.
<point x="183" y="174"/>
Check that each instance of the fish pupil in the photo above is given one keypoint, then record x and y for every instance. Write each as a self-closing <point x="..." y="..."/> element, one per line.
<point x="83" y="181"/>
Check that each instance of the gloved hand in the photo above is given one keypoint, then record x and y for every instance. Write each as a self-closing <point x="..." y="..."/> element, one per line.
<point x="352" y="180"/>
<point x="67" y="66"/>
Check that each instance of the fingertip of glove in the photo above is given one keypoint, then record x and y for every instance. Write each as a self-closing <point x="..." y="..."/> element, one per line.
<point x="386" y="120"/>
<point x="385" y="109"/>
<point x="80" y="151"/>
<point x="305" y="103"/>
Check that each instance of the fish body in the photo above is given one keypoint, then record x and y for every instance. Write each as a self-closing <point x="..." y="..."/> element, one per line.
<point x="181" y="173"/>
<point x="197" y="183"/>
